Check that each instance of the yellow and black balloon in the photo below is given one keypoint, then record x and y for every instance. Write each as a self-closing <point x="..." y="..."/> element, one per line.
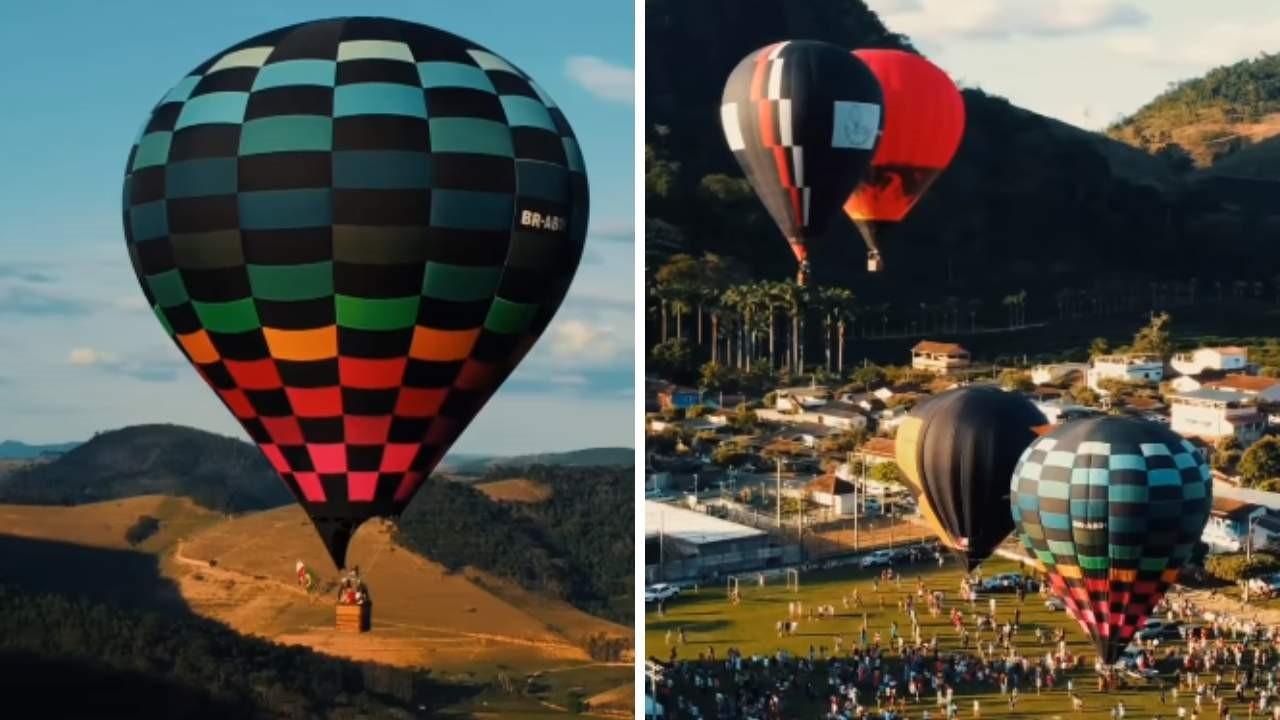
<point x="958" y="451"/>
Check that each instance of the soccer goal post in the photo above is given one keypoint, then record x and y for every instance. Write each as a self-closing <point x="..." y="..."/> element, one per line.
<point x="793" y="580"/>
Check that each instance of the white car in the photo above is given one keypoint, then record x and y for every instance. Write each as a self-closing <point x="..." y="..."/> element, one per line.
<point x="660" y="592"/>
<point x="1055" y="603"/>
<point x="877" y="558"/>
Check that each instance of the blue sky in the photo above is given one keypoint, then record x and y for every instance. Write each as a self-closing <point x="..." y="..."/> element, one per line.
<point x="79" y="352"/>
<point x="1086" y="62"/>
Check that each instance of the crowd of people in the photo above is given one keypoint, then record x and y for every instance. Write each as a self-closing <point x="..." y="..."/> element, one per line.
<point x="1224" y="668"/>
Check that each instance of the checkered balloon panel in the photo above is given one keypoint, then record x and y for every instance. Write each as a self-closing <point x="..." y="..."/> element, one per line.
<point x="1112" y="508"/>
<point x="355" y="229"/>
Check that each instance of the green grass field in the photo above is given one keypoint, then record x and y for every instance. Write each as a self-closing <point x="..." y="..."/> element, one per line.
<point x="709" y="620"/>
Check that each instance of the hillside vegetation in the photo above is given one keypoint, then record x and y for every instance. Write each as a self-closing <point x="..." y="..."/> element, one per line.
<point x="1209" y="118"/>
<point x="576" y="544"/>
<point x="217" y="472"/>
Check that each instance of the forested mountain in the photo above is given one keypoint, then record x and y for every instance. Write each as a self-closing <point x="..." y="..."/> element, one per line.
<point x="1030" y="209"/>
<point x="1211" y="117"/>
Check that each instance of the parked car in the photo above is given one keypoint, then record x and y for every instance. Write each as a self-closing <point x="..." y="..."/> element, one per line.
<point x="1156" y="628"/>
<point x="660" y="592"/>
<point x="1055" y="603"/>
<point x="878" y="558"/>
<point x="1003" y="582"/>
<point x="872" y="506"/>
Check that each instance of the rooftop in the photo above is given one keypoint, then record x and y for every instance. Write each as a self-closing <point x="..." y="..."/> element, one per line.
<point x="1247" y="383"/>
<point x="831" y="485"/>
<point x="1227" y="507"/>
<point x="692" y="527"/>
<point x="929" y="346"/>
<point x="1223" y="396"/>
<point x="878" y="447"/>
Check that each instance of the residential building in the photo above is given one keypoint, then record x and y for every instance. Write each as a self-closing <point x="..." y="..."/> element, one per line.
<point x="1058" y="373"/>
<point x="799" y="399"/>
<point x="1138" y="368"/>
<point x="1215" y="414"/>
<point x="1261" y="389"/>
<point x="878" y="450"/>
<point x="940" y="358"/>
<point x="845" y="416"/>
<point x="1210" y="358"/>
<point x="833" y="492"/>
<point x="1233" y="522"/>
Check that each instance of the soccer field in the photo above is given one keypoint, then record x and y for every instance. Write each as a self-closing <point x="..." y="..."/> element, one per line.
<point x="710" y="621"/>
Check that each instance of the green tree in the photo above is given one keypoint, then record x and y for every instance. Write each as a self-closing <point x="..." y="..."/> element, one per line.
<point x="672" y="359"/>
<point x="1099" y="346"/>
<point x="867" y="376"/>
<point x="1261" y="461"/>
<point x="1012" y="379"/>
<point x="1154" y="338"/>
<point x="715" y="377"/>
<point x="886" y="472"/>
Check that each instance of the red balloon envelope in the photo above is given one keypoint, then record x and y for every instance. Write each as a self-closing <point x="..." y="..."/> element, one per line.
<point x="923" y="125"/>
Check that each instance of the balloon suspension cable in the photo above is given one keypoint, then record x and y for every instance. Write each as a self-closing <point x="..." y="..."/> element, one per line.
<point x="867" y="228"/>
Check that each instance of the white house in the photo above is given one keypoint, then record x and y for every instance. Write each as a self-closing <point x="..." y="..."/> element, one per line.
<point x="1210" y="358"/>
<point x="845" y="416"/>
<point x="1215" y="414"/>
<point x="1261" y="389"/>
<point x="1130" y="368"/>
<point x="833" y="492"/>
<point x="939" y="358"/>
<point x="800" y="399"/>
<point x="1231" y="522"/>
<point x="1056" y="372"/>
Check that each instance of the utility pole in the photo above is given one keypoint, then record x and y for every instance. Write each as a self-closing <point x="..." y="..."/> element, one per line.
<point x="779" y="476"/>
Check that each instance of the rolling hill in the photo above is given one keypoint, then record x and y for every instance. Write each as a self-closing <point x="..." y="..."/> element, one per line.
<point x="217" y="472"/>
<point x="598" y="457"/>
<point x="15" y="450"/>
<point x="203" y="574"/>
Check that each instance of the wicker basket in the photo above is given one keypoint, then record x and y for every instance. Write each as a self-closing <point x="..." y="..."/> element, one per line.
<point x="353" y="618"/>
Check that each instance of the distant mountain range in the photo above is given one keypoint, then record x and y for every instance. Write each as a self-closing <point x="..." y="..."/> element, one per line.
<point x="217" y="472"/>
<point x="600" y="457"/>
<point x="14" y="450"/>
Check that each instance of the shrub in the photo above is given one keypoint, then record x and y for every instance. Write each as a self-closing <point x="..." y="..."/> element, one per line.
<point x="1234" y="567"/>
<point x="141" y="529"/>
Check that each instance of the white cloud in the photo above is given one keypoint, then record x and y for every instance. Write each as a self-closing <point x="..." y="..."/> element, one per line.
<point x="602" y="78"/>
<point x="931" y="20"/>
<point x="86" y="356"/>
<point x="134" y="303"/>
<point x="567" y="379"/>
<point x="583" y="341"/>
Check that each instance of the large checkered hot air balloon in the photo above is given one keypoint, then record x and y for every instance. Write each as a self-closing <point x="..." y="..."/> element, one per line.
<point x="923" y="126"/>
<point x="1112" y="507"/>
<point x="803" y="119"/>
<point x="957" y="450"/>
<point x="355" y="229"/>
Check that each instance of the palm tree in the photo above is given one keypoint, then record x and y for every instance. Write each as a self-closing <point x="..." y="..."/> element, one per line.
<point x="841" y="306"/>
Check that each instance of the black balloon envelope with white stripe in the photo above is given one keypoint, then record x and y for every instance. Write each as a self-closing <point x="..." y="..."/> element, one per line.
<point x="803" y="119"/>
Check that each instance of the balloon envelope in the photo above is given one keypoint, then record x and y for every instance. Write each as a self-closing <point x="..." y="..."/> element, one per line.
<point x="803" y="119"/>
<point x="1112" y="507"/>
<point x="354" y="229"/>
<point x="957" y="450"/>
<point x="924" y="121"/>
